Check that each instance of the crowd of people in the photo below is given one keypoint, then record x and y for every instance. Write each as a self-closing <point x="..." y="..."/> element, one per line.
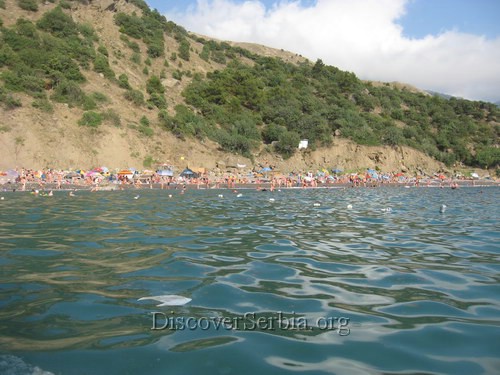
<point x="100" y="178"/>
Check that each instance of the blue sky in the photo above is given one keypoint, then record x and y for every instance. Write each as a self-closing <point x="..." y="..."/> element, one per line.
<point x="479" y="17"/>
<point x="449" y="46"/>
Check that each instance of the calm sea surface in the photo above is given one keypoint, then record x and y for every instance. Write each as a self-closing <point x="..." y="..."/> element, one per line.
<point x="301" y="284"/>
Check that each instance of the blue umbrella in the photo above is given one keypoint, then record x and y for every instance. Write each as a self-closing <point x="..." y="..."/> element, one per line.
<point x="266" y="169"/>
<point x="373" y="173"/>
<point x="336" y="170"/>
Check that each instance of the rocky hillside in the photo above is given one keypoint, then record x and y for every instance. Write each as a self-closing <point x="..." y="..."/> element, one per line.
<point x="111" y="82"/>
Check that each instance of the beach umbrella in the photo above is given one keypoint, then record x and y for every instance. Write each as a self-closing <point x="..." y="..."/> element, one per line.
<point x="127" y="173"/>
<point x="373" y="173"/>
<point x="12" y="173"/>
<point x="188" y="173"/>
<point x="336" y="170"/>
<point x="93" y="174"/>
<point x="266" y="169"/>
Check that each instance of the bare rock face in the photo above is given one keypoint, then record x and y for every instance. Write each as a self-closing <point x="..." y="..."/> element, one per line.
<point x="377" y="157"/>
<point x="109" y="5"/>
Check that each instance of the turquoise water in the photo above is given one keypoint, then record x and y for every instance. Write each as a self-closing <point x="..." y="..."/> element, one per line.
<point x="302" y="283"/>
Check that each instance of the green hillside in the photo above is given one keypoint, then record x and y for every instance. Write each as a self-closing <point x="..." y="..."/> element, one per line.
<point x="244" y="101"/>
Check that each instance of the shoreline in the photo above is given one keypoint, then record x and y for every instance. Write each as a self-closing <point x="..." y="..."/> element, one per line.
<point x="267" y="186"/>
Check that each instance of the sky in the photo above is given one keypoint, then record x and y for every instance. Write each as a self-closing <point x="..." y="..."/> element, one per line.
<point x="447" y="46"/>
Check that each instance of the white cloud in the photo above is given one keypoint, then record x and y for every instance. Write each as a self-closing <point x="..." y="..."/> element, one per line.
<point x="361" y="36"/>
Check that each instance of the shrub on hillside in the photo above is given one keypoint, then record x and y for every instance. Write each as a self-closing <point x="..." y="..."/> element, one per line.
<point x="144" y="121"/>
<point x="136" y="58"/>
<point x="112" y="117"/>
<point x="68" y="92"/>
<point x="158" y="100"/>
<point x="43" y="105"/>
<point x="99" y="97"/>
<point x="8" y="101"/>
<point x="64" y="4"/>
<point x="287" y="144"/>
<point x="135" y="96"/>
<point x="58" y="23"/>
<point x="90" y="119"/>
<point x="30" y="5"/>
<point x="123" y="81"/>
<point x="184" y="47"/>
<point x="156" y="49"/>
<point x="154" y="85"/>
<point x="101" y="65"/>
<point x="272" y="133"/>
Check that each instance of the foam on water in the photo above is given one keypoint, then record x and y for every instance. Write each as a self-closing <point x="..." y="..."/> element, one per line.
<point x="12" y="365"/>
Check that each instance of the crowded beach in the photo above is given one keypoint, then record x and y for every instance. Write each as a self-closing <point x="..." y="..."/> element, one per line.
<point x="261" y="178"/>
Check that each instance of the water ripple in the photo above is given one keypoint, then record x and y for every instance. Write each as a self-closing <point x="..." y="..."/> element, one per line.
<point x="419" y="288"/>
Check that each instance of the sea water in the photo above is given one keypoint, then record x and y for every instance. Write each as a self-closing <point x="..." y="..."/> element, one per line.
<point x="299" y="283"/>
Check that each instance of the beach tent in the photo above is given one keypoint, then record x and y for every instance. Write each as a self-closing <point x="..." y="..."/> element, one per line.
<point x="188" y="173"/>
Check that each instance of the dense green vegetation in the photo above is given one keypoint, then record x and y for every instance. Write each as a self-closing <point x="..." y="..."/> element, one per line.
<point x="48" y="55"/>
<point x="150" y="27"/>
<point x="278" y="102"/>
<point x="31" y="5"/>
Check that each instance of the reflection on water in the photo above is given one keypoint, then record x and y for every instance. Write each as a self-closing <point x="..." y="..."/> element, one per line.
<point x="419" y="288"/>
